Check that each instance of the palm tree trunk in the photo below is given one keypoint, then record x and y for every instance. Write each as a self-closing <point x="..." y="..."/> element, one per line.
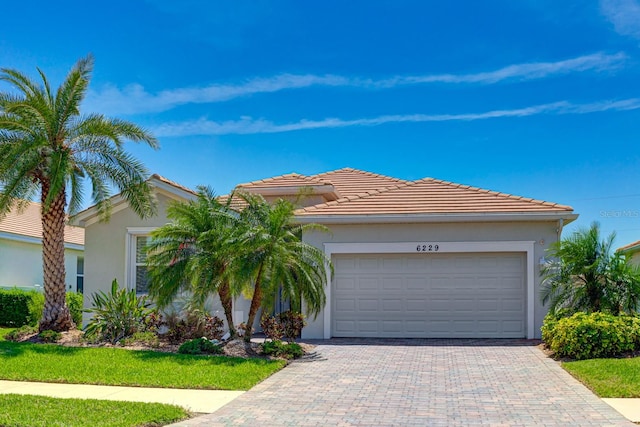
<point x="256" y="301"/>
<point x="56" y="314"/>
<point x="225" y="299"/>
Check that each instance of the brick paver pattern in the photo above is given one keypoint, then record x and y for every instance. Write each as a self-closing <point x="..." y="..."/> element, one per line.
<point x="419" y="383"/>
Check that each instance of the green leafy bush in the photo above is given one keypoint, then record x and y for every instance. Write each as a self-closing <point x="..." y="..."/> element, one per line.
<point x="20" y="333"/>
<point x="14" y="307"/>
<point x="200" y="346"/>
<point x="594" y="335"/>
<point x="50" y="336"/>
<point x="276" y="348"/>
<point x="19" y="307"/>
<point x="117" y="315"/>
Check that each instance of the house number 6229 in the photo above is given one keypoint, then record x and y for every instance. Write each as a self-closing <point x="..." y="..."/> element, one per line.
<point x="427" y="248"/>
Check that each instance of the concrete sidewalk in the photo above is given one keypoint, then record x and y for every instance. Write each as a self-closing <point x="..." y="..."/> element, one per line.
<point x="630" y="408"/>
<point x="199" y="401"/>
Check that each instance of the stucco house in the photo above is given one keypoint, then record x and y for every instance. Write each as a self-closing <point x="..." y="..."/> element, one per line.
<point x="632" y="252"/>
<point x="21" y="251"/>
<point x="425" y="258"/>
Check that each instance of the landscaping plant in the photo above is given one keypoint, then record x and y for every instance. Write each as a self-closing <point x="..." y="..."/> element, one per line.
<point x="49" y="149"/>
<point x="584" y="275"/>
<point x="593" y="335"/>
<point x="117" y="315"/>
<point x="277" y="348"/>
<point x="200" y="346"/>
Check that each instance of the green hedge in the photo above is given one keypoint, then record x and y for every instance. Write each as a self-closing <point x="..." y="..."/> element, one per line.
<point x="589" y="336"/>
<point x="19" y="307"/>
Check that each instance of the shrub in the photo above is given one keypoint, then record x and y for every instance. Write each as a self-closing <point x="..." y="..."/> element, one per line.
<point x="50" y="336"/>
<point x="271" y="327"/>
<point x="290" y="350"/>
<point x="200" y="346"/>
<point x="117" y="315"/>
<point x="588" y="336"/>
<point x="14" y="307"/>
<point x="74" y="302"/>
<point x="21" y="333"/>
<point x="193" y="324"/>
<point x="147" y="338"/>
<point x="19" y="307"/>
<point x="292" y="323"/>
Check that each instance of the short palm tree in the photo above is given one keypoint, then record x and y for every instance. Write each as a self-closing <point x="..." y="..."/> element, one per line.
<point x="271" y="256"/>
<point x="192" y="253"/>
<point x="48" y="147"/>
<point x="585" y="276"/>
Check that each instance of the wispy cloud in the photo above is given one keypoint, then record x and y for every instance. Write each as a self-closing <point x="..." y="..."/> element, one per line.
<point x="624" y="15"/>
<point x="135" y="99"/>
<point x="248" y="125"/>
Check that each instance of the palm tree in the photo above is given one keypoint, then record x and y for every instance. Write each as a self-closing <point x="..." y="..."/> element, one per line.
<point x="585" y="276"/>
<point x="270" y="255"/>
<point x="48" y="147"/>
<point x="192" y="253"/>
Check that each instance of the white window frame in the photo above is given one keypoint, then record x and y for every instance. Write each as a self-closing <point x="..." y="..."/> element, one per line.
<point x="130" y="254"/>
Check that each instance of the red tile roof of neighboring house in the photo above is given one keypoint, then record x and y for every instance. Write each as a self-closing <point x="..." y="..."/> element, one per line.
<point x="27" y="222"/>
<point x="630" y="246"/>
<point x="288" y="180"/>
<point x="172" y="183"/>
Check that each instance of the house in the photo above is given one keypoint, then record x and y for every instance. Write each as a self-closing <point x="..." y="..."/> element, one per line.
<point x="632" y="252"/>
<point x="21" y="251"/>
<point x="425" y="258"/>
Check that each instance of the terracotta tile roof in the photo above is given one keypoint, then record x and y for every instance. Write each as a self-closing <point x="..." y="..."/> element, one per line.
<point x="351" y="182"/>
<point x="27" y="223"/>
<point x="430" y="196"/>
<point x="288" y="180"/>
<point x="634" y="245"/>
<point x="172" y="183"/>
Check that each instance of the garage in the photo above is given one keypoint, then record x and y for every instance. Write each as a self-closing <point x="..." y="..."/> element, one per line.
<point x="443" y="295"/>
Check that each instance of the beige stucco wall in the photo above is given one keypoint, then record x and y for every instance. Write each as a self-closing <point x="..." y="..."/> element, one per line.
<point x="634" y="258"/>
<point x="543" y="233"/>
<point x="21" y="265"/>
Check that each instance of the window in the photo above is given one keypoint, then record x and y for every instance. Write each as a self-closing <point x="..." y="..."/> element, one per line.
<point x="80" y="275"/>
<point x="141" y="283"/>
<point x="136" y="268"/>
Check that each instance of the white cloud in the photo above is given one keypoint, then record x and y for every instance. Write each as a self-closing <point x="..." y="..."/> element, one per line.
<point x="135" y="99"/>
<point x="248" y="125"/>
<point x="624" y="15"/>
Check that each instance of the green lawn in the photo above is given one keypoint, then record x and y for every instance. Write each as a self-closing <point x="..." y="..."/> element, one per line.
<point x="608" y="377"/>
<point x="114" y="366"/>
<point x="25" y="410"/>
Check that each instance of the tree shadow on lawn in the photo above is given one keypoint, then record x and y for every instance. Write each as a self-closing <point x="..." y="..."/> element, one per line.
<point x="14" y="349"/>
<point x="428" y="342"/>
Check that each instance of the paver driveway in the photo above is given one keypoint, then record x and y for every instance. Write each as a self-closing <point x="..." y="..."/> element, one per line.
<point x="419" y="383"/>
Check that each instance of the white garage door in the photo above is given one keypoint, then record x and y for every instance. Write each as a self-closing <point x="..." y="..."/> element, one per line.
<point x="429" y="295"/>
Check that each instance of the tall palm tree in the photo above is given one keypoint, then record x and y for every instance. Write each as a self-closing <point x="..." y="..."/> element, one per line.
<point x="270" y="255"/>
<point x="192" y="253"/>
<point x="585" y="276"/>
<point x="48" y="147"/>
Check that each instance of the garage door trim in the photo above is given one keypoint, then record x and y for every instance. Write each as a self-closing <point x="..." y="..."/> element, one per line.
<point x="442" y="247"/>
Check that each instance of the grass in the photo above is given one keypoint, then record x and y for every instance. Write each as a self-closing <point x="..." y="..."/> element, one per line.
<point x="114" y="366"/>
<point x="26" y="410"/>
<point x="608" y="377"/>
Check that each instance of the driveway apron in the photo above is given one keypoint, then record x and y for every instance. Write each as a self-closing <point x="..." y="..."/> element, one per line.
<point x="419" y="383"/>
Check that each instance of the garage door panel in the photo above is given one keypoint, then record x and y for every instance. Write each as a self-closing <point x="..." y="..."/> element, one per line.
<point x="429" y="295"/>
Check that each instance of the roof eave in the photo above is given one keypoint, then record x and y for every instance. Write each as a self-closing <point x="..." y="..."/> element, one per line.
<point x="567" y="217"/>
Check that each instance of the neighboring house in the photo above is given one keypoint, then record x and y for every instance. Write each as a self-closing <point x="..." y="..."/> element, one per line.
<point x="424" y="258"/>
<point x="632" y="251"/>
<point x="21" y="251"/>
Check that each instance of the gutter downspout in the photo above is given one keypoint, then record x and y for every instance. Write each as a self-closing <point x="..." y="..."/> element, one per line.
<point x="560" y="226"/>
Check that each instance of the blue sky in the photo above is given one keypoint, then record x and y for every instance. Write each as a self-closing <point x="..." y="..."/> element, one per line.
<point x="531" y="97"/>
